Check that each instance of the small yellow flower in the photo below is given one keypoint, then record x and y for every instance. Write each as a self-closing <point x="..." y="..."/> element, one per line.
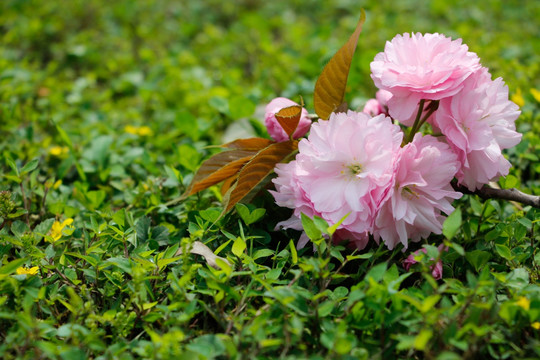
<point x="536" y="94"/>
<point x="536" y="325"/>
<point x="524" y="303"/>
<point x="58" y="227"/>
<point x="58" y="150"/>
<point x="28" y="271"/>
<point x="145" y="131"/>
<point x="518" y="98"/>
<point x="57" y="184"/>
<point x="130" y="129"/>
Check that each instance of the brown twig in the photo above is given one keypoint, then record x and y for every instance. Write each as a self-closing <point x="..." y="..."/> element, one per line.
<point x="488" y="192"/>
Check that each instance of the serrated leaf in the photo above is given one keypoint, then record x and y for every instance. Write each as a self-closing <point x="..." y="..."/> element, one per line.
<point x="253" y="144"/>
<point x="256" y="171"/>
<point x="289" y="118"/>
<point x="217" y="168"/>
<point x="331" y="84"/>
<point x="227" y="184"/>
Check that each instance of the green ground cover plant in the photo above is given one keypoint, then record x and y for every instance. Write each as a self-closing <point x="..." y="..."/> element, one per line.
<point x="107" y="110"/>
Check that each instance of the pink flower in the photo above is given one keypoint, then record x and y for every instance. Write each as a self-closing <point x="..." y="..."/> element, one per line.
<point x="343" y="167"/>
<point x="379" y="105"/>
<point x="436" y="268"/>
<point x="274" y="128"/>
<point x="372" y="108"/>
<point x="478" y="123"/>
<point x="420" y="192"/>
<point x="414" y="67"/>
<point x="383" y="97"/>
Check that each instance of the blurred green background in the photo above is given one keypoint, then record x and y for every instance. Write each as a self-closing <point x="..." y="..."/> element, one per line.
<point x="155" y="61"/>
<point x="188" y="69"/>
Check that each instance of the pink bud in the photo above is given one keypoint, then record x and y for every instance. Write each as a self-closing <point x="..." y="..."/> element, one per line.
<point x="274" y="128"/>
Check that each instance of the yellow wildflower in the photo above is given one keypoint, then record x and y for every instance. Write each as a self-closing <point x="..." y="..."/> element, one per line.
<point x="518" y="98"/>
<point x="536" y="325"/>
<point x="58" y="227"/>
<point x="144" y="131"/>
<point x="130" y="129"/>
<point x="28" y="271"/>
<point x="524" y="303"/>
<point x="536" y="94"/>
<point x="57" y="184"/>
<point x="58" y="150"/>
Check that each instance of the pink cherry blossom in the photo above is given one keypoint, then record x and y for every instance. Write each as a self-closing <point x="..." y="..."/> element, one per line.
<point x="383" y="96"/>
<point x="478" y="123"/>
<point x="379" y="105"/>
<point x="274" y="128"/>
<point x="342" y="168"/>
<point x="414" y="67"/>
<point x="372" y="108"/>
<point x="420" y="192"/>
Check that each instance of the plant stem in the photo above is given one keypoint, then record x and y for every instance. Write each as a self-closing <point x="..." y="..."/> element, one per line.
<point x="416" y="126"/>
<point x="487" y="192"/>
<point x="432" y="107"/>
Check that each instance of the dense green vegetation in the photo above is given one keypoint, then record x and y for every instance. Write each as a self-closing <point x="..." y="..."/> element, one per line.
<point x="108" y="107"/>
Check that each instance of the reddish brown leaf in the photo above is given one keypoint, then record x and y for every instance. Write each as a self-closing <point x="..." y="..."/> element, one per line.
<point x="227" y="184"/>
<point x="218" y="168"/>
<point x="331" y="84"/>
<point x="254" y="144"/>
<point x="252" y="175"/>
<point x="289" y="118"/>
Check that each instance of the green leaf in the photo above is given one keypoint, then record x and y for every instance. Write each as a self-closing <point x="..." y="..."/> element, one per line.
<point x="504" y="252"/>
<point x="30" y="166"/>
<point x="119" y="217"/>
<point x="11" y="163"/>
<point x="248" y="216"/>
<point x="142" y="227"/>
<point x="239" y="246"/>
<point x="12" y="266"/>
<point x="264" y="253"/>
<point x="478" y="258"/>
<point x="377" y="272"/>
<point x="452" y="224"/>
<point x="309" y="227"/>
<point x="422" y="339"/>
<point x="294" y="254"/>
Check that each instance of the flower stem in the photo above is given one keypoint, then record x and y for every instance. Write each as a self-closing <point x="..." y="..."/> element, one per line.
<point x="432" y="107"/>
<point x="415" y="126"/>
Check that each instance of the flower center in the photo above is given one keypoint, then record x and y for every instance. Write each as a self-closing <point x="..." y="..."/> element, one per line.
<point x="409" y="193"/>
<point x="354" y="169"/>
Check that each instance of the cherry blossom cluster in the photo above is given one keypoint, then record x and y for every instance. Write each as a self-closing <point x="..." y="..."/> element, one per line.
<point x="374" y="170"/>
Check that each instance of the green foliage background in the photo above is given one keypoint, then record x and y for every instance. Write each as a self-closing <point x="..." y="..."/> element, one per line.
<point x="75" y="74"/>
